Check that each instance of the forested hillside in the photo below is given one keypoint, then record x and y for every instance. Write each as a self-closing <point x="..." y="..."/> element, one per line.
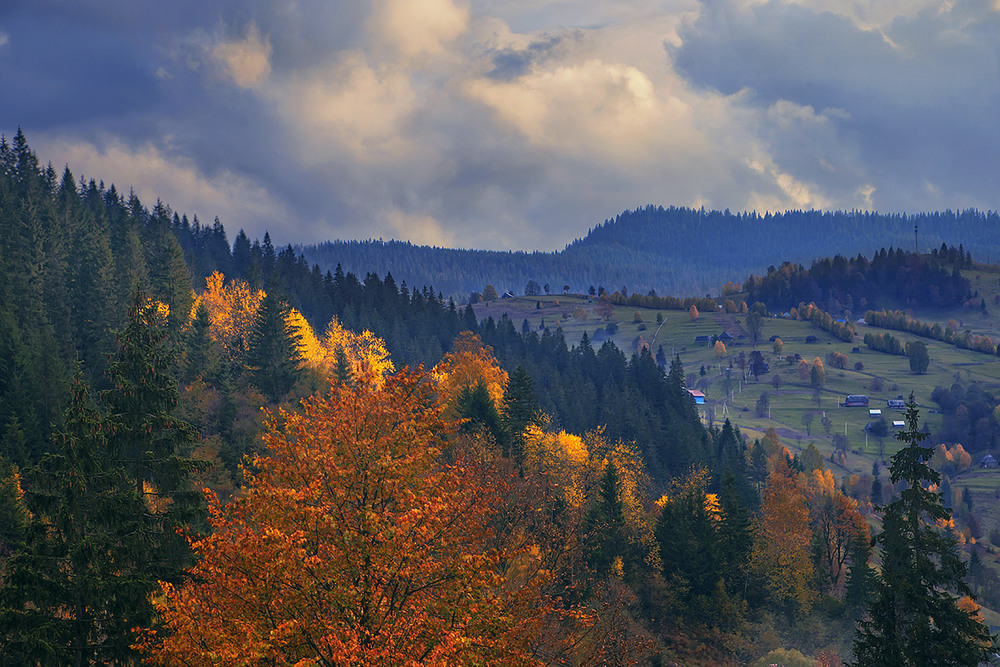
<point x="677" y="251"/>
<point x="214" y="455"/>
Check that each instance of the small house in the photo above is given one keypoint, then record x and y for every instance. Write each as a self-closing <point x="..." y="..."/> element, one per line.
<point x="988" y="462"/>
<point x="856" y="401"/>
<point x="699" y="397"/>
<point x="875" y="413"/>
<point x="725" y="337"/>
<point x="898" y="424"/>
<point x="703" y="340"/>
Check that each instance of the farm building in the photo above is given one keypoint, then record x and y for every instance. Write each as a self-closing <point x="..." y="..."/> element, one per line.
<point x="856" y="401"/>
<point x="875" y="412"/>
<point x="988" y="462"/>
<point x="898" y="424"/>
<point x="699" y="397"/>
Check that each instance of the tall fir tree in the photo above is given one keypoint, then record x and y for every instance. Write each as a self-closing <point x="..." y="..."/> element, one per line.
<point x="81" y="582"/>
<point x="273" y="357"/>
<point x="520" y="409"/>
<point x="914" y="619"/>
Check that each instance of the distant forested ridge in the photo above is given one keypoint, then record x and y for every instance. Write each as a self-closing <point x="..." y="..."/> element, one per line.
<point x="679" y="251"/>
<point x="893" y="278"/>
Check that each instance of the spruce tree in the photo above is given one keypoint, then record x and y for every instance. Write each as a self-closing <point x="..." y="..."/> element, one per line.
<point x="606" y="524"/>
<point x="520" y="409"/>
<point x="81" y="582"/>
<point x="273" y="359"/>
<point x="914" y="619"/>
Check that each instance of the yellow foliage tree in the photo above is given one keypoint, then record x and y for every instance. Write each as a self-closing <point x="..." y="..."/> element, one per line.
<point x="468" y="363"/>
<point x="232" y="309"/>
<point x="365" y="353"/>
<point x="720" y="349"/>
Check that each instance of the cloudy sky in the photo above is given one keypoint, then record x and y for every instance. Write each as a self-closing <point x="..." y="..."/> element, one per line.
<point x="508" y="123"/>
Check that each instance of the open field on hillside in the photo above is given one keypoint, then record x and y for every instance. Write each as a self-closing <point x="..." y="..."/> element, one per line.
<point x="882" y="376"/>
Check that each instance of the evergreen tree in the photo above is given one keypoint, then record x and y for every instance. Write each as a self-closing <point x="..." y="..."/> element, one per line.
<point x="860" y="576"/>
<point x="475" y="406"/>
<point x="200" y="355"/>
<point x="608" y="540"/>
<point x="689" y="539"/>
<point x="273" y="358"/>
<point x="520" y="409"/>
<point x="735" y="534"/>
<point x="914" y="618"/>
<point x="169" y="278"/>
<point x="81" y="583"/>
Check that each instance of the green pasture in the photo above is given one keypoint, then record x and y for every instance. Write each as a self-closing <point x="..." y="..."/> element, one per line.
<point x="882" y="377"/>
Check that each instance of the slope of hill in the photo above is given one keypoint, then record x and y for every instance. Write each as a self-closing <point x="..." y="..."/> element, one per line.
<point x="679" y="251"/>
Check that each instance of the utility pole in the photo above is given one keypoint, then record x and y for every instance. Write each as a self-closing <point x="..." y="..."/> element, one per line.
<point x="916" y="248"/>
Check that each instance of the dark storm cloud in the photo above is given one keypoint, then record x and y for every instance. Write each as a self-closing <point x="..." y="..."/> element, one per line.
<point x="916" y="102"/>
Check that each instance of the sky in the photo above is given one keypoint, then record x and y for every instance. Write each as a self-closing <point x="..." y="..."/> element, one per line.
<point x="508" y="124"/>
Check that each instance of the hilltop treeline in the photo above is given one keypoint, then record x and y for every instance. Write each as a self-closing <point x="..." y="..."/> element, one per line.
<point x="70" y="256"/>
<point x="839" y="284"/>
<point x="679" y="251"/>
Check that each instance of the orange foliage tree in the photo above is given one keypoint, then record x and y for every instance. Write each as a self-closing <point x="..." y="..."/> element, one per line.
<point x="353" y="543"/>
<point x="837" y="524"/>
<point x="468" y="363"/>
<point x="781" y="549"/>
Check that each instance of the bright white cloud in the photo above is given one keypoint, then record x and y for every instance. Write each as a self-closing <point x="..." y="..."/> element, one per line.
<point x="4" y="38"/>
<point x="417" y="29"/>
<point x="175" y="180"/>
<point x="350" y="106"/>
<point x="246" y="61"/>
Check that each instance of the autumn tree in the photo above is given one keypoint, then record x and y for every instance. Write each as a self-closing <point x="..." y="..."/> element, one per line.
<point x="720" y="349"/>
<point x="836" y="526"/>
<point x="693" y="312"/>
<point x="817" y="374"/>
<point x="232" y="309"/>
<point x="605" y="309"/>
<point x="490" y="293"/>
<point x="354" y="543"/>
<point x="781" y="552"/>
<point x="468" y="363"/>
<point x="915" y="617"/>
<point x="363" y="357"/>
<point x="803" y="369"/>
